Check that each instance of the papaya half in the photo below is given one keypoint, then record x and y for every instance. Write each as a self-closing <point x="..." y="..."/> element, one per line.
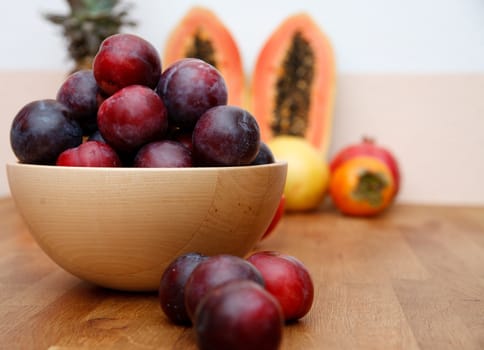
<point x="293" y="83"/>
<point x="201" y="34"/>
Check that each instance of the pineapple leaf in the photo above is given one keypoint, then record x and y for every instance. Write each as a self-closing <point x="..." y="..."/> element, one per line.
<point x="88" y="24"/>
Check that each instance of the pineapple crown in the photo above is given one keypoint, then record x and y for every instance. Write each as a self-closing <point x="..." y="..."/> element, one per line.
<point x="88" y="24"/>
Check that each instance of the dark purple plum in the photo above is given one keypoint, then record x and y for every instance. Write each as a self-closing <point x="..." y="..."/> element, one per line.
<point x="239" y="315"/>
<point x="189" y="87"/>
<point x="131" y="118"/>
<point x="264" y="156"/>
<point x="213" y="272"/>
<point x="226" y="136"/>
<point x="171" y="292"/>
<point x="90" y="154"/>
<point x="42" y="130"/>
<point x="163" y="154"/>
<point x="288" y="280"/>
<point x="126" y="59"/>
<point x="79" y="92"/>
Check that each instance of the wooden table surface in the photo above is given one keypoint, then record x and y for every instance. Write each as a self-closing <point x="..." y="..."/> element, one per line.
<point x="410" y="279"/>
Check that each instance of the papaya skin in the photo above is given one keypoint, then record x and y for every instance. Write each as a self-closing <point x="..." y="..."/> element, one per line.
<point x="205" y="24"/>
<point x="268" y="67"/>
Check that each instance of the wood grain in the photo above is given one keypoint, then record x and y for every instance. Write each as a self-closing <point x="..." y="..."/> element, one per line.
<point x="120" y="227"/>
<point x="410" y="279"/>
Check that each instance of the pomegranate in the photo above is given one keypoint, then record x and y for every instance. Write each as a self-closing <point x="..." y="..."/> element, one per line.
<point x="368" y="147"/>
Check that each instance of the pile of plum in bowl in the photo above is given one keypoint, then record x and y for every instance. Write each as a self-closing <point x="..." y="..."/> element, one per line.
<point x="130" y="166"/>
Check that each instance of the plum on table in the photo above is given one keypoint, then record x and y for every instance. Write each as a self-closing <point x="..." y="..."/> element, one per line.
<point x="239" y="315"/>
<point x="171" y="291"/>
<point x="213" y="272"/>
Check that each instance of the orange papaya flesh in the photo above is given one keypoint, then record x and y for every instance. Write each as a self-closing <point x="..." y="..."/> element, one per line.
<point x="201" y="34"/>
<point x="293" y="83"/>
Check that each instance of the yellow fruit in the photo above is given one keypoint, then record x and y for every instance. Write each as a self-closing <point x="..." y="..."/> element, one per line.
<point x="307" y="172"/>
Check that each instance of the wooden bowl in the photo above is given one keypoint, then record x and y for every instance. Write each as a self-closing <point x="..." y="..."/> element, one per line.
<point x="120" y="227"/>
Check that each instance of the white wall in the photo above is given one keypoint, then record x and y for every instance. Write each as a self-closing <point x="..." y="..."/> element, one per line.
<point x="369" y="36"/>
<point x="410" y="73"/>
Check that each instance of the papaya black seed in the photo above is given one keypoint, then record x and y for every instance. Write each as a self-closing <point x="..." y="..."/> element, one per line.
<point x="202" y="48"/>
<point x="293" y="96"/>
